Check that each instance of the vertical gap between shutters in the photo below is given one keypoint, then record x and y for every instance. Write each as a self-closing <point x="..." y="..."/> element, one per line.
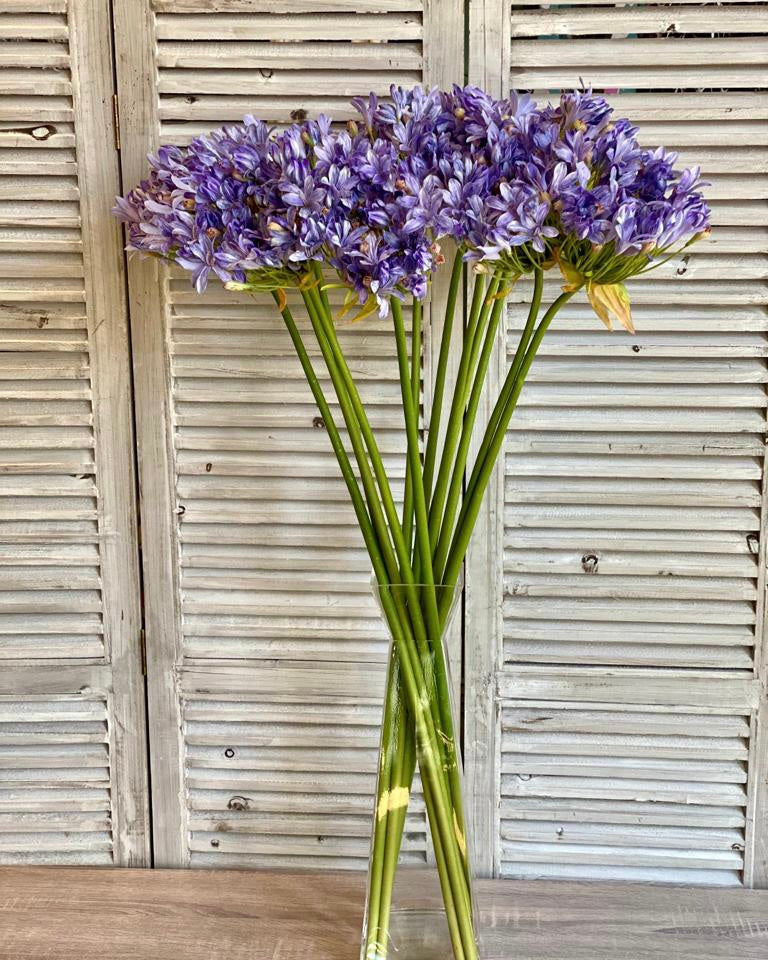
<point x="140" y="639"/>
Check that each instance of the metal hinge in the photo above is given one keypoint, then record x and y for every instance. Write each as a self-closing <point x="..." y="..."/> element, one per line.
<point x="143" y="646"/>
<point x="116" y="120"/>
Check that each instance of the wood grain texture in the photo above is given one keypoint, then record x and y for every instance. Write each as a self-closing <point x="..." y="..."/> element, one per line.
<point x="488" y="67"/>
<point x="134" y="28"/>
<point x="756" y="845"/>
<point x="252" y="590"/>
<point x="72" y="740"/>
<point x="92" y="67"/>
<point x="88" y="914"/>
<point x="594" y="484"/>
<point x="489" y="29"/>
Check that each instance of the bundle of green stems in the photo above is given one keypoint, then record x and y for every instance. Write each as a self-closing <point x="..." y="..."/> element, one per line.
<point x="417" y="554"/>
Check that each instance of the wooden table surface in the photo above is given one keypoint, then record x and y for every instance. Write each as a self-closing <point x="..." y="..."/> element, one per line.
<point x="100" y="914"/>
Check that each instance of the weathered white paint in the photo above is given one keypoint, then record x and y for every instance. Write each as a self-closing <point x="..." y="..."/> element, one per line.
<point x="615" y="724"/>
<point x="256" y="579"/>
<point x="633" y="560"/>
<point x="72" y="740"/>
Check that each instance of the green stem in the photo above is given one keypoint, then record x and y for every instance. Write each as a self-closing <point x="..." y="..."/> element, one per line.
<point x="432" y="618"/>
<point x="481" y="298"/>
<point x="431" y="764"/>
<point x="343" y="385"/>
<point x="416" y="318"/>
<point x="460" y="950"/>
<point x="408" y="605"/>
<point x="394" y="835"/>
<point x="533" y="313"/>
<point x="491" y="299"/>
<point x="414" y="459"/>
<point x="389" y="755"/>
<point x="352" y="395"/>
<point x="440" y="814"/>
<point x="361" y="512"/>
<point x="414" y="682"/>
<point x="482" y="471"/>
<point x="374" y="504"/>
<point x="446" y="731"/>
<point x="441" y="373"/>
<point x="470" y="414"/>
<point x="381" y="832"/>
<point x="317" y="270"/>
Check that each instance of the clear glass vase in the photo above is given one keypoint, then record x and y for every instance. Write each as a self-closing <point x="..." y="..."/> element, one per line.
<point x="430" y="911"/>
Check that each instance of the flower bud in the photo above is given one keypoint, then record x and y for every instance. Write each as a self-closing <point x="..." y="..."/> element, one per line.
<point x="352" y="128"/>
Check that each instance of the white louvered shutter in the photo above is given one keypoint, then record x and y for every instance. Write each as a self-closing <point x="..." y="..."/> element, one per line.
<point x="617" y="728"/>
<point x="265" y="650"/>
<point x="72" y="779"/>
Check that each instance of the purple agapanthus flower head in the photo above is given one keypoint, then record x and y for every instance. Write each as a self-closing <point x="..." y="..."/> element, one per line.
<point x="505" y="180"/>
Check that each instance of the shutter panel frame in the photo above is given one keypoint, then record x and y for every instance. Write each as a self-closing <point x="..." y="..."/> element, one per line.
<point x="71" y="688"/>
<point x="497" y="33"/>
<point x="176" y="418"/>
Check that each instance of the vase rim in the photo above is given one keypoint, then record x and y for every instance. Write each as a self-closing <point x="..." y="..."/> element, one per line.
<point x="398" y="584"/>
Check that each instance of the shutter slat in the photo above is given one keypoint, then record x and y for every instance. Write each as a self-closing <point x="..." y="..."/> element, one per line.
<point x="381" y="27"/>
<point x="270" y="56"/>
<point x="254" y="770"/>
<point x="664" y="19"/>
<point x="616" y="790"/>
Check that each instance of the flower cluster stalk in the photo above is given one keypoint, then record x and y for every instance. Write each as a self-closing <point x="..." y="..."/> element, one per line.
<point x="416" y="556"/>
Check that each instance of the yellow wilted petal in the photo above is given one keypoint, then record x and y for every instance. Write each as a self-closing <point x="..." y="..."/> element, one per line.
<point x="507" y="290"/>
<point x="611" y="299"/>
<point x="370" y="305"/>
<point x="350" y="300"/>
<point x="282" y="299"/>
<point x="573" y="278"/>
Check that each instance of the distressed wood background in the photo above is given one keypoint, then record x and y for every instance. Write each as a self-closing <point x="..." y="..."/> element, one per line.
<point x="611" y="666"/>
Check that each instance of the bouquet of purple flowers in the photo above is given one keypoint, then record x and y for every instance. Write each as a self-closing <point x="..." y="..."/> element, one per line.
<point x="513" y="190"/>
